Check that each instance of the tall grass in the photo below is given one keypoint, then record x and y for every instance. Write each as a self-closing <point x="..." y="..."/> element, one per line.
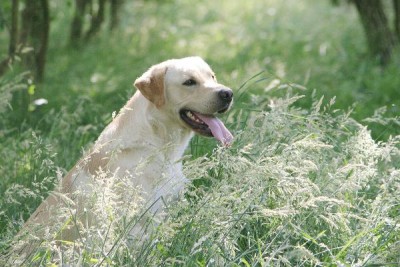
<point x="299" y="187"/>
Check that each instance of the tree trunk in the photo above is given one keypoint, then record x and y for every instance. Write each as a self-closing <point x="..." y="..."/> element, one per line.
<point x="14" y="29"/>
<point x="115" y="7"/>
<point x="97" y="20"/>
<point x="12" y="47"/>
<point x="97" y="13"/>
<point x="77" y="22"/>
<point x="379" y="37"/>
<point x="29" y="17"/>
<point x="43" y="37"/>
<point x="35" y="34"/>
<point x="4" y="66"/>
<point x="396" y="4"/>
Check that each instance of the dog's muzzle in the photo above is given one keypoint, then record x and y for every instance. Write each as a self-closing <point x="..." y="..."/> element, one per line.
<point x="225" y="97"/>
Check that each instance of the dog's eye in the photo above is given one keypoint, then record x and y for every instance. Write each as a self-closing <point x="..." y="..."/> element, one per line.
<point x="190" y="82"/>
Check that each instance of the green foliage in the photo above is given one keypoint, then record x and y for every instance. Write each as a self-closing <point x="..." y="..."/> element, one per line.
<point x="7" y="88"/>
<point x="298" y="187"/>
<point x="304" y="183"/>
<point x="5" y="9"/>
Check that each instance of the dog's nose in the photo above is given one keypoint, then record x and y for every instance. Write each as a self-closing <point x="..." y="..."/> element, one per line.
<point x="225" y="95"/>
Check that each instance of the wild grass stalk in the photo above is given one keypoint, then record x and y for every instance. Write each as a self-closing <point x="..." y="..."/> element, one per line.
<point x="298" y="187"/>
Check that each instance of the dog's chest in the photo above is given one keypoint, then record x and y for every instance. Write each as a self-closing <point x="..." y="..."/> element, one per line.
<point x="154" y="170"/>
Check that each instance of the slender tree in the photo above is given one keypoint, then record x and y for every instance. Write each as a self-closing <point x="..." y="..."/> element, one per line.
<point x="77" y="21"/>
<point x="380" y="38"/>
<point x="12" y="47"/>
<point x="97" y="20"/>
<point x="97" y="11"/>
<point x="29" y="29"/>
<point x="115" y="7"/>
<point x="30" y="41"/>
<point x="43" y="36"/>
<point x="396" y="5"/>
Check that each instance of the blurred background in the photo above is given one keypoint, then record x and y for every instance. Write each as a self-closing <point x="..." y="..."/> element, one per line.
<point x="61" y="53"/>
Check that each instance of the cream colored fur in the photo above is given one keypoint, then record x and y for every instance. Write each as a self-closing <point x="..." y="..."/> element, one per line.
<point x="148" y="128"/>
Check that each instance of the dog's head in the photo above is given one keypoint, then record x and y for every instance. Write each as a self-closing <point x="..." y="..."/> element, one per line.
<point x="187" y="88"/>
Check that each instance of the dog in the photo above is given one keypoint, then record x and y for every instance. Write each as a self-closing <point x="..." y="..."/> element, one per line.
<point x="174" y="100"/>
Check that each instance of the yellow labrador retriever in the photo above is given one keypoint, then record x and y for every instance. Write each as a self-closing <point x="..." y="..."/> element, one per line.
<point x="175" y="99"/>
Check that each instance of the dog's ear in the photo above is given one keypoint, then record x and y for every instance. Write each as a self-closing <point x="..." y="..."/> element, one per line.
<point x="151" y="84"/>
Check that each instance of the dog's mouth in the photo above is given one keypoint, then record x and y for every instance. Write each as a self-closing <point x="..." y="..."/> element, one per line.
<point x="207" y="125"/>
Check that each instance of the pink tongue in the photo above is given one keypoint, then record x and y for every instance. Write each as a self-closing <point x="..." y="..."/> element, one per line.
<point x="217" y="128"/>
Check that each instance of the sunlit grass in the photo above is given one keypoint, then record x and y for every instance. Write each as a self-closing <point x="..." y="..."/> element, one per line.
<point x="300" y="186"/>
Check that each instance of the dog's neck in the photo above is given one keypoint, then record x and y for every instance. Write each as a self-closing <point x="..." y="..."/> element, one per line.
<point x="140" y="123"/>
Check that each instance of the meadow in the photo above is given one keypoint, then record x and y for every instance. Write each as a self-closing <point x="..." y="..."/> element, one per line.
<point x="312" y="179"/>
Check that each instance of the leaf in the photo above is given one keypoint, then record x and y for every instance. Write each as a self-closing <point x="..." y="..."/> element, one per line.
<point x="31" y="89"/>
<point x="31" y="108"/>
<point x="26" y="50"/>
<point x="245" y="262"/>
<point x="298" y="86"/>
